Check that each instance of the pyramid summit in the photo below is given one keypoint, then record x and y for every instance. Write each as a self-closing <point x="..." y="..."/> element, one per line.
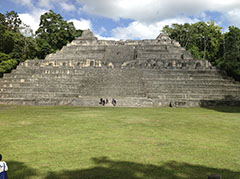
<point x="136" y="73"/>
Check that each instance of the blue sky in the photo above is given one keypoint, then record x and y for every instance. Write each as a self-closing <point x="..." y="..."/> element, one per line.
<point x="127" y="19"/>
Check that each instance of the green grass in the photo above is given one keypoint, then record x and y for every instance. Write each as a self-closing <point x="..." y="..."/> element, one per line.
<point x="73" y="142"/>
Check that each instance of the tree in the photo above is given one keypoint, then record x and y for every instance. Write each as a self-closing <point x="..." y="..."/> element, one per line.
<point x="14" y="46"/>
<point x="55" y="32"/>
<point x="13" y="21"/>
<point x="18" y="43"/>
<point x="201" y="39"/>
<point x="229" y="55"/>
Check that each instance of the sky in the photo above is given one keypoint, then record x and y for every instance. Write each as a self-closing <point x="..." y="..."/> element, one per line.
<point x="127" y="19"/>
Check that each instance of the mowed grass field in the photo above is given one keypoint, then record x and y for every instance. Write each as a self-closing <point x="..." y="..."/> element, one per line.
<point x="74" y="142"/>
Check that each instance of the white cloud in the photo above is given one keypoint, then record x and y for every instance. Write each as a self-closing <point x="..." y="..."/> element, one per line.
<point x="32" y="19"/>
<point x="29" y="20"/>
<point x="67" y="6"/>
<point x="105" y="38"/>
<point x="45" y="3"/>
<point x="141" y="30"/>
<point x="154" y="10"/>
<point x="64" y="4"/>
<point x="82" y="24"/>
<point x="102" y="30"/>
<point x="27" y="3"/>
<point x="149" y="16"/>
<point x="233" y="16"/>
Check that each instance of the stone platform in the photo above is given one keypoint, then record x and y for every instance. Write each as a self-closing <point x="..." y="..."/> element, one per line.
<point x="142" y="73"/>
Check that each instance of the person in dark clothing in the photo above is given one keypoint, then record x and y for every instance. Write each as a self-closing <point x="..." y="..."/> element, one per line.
<point x="114" y="102"/>
<point x="101" y="101"/>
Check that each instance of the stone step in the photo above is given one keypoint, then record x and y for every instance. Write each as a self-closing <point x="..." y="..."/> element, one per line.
<point x="94" y="54"/>
<point x="81" y="101"/>
<point x="121" y="102"/>
<point x="121" y="90"/>
<point x="115" y="76"/>
<point x="7" y="92"/>
<point x="194" y="86"/>
<point x="185" y="76"/>
<point x="58" y="83"/>
<point x="22" y="68"/>
<point x="74" y="88"/>
<point x="34" y="95"/>
<point x="130" y="78"/>
<point x="71" y="64"/>
<point x="196" y="102"/>
<point x="188" y="81"/>
<point x="76" y="73"/>
<point x="196" y="96"/>
<point x="17" y="101"/>
<point x="53" y="77"/>
<point x="197" y="91"/>
<point x="103" y="79"/>
<point x="114" y="82"/>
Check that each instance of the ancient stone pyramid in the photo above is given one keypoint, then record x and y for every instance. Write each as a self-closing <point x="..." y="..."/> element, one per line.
<point x="140" y="73"/>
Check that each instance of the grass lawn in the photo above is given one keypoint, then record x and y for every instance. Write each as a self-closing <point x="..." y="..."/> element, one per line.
<point x="74" y="142"/>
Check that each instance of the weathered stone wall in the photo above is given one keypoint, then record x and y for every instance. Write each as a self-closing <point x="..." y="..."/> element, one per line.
<point x="141" y="73"/>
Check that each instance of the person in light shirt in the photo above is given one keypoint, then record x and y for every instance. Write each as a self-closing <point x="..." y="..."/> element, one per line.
<point x="3" y="169"/>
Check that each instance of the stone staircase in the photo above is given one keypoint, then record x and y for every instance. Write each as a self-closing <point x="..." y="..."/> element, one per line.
<point x="191" y="87"/>
<point x="143" y="73"/>
<point x="49" y="85"/>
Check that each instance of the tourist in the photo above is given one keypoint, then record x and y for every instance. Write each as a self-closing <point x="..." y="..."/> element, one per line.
<point x="101" y="101"/>
<point x="114" y="102"/>
<point x="3" y="169"/>
<point x="106" y="100"/>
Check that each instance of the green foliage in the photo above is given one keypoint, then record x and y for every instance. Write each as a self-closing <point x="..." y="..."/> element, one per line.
<point x="6" y="41"/>
<point x="14" y="46"/>
<point x="55" y="32"/>
<point x="13" y="21"/>
<point x="205" y="41"/>
<point x="6" y="63"/>
<point x="3" y="23"/>
<point x="43" y="48"/>
<point x="4" y="57"/>
<point x="17" y="42"/>
<point x="17" y="51"/>
<point x="230" y="57"/>
<point x="202" y="39"/>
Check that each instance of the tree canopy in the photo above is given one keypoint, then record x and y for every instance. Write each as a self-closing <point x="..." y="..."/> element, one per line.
<point x="16" y="46"/>
<point x="201" y="39"/>
<point x="205" y="41"/>
<point x="229" y="57"/>
<point x="53" y="33"/>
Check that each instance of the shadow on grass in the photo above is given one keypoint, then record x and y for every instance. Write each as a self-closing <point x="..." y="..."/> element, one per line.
<point x="229" y="104"/>
<point x="226" y="109"/>
<point x="20" y="170"/>
<point x="108" y="169"/>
